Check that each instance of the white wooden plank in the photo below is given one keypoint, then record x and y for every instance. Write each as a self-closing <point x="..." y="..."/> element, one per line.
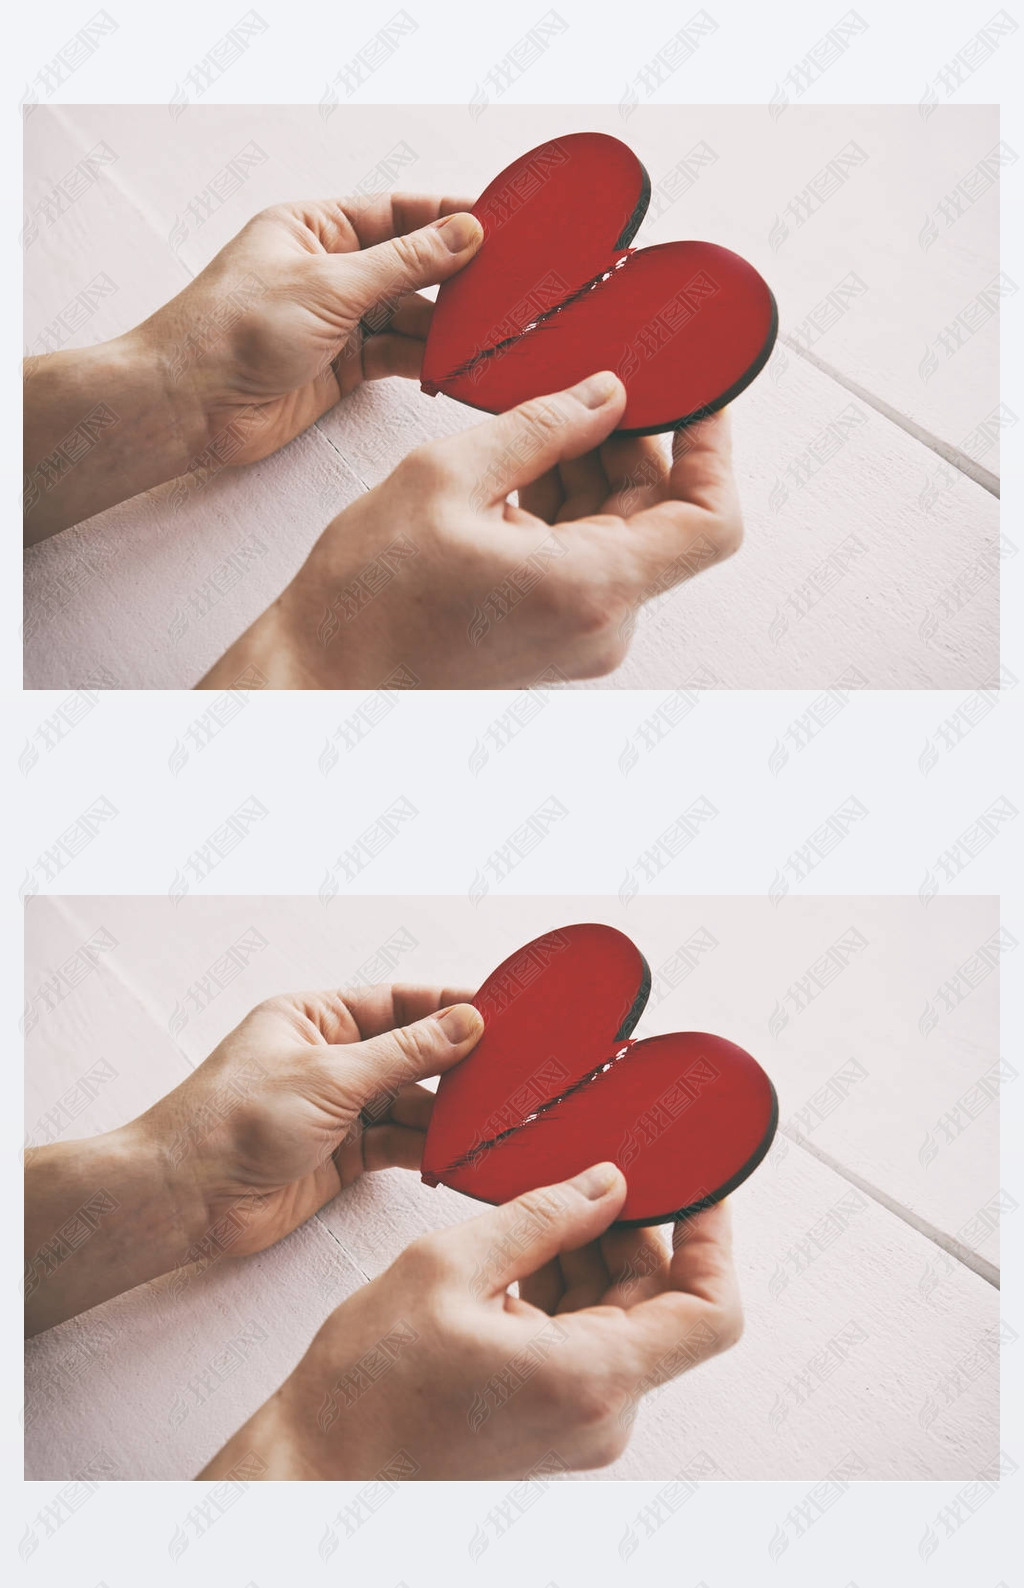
<point x="149" y="594"/>
<point x="854" y="1343"/>
<point x="877" y="1018"/>
<point x="861" y="541"/>
<point x="85" y="1027"/>
<point x="910" y="210"/>
<point x="862" y="571"/>
<point x="159" y="1378"/>
<point x="861" y="1334"/>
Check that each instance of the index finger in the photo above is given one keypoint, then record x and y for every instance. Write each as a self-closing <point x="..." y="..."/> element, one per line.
<point x="400" y="1005"/>
<point x="385" y="215"/>
<point x="701" y="1314"/>
<point x="352" y="1014"/>
<point x="699" y="522"/>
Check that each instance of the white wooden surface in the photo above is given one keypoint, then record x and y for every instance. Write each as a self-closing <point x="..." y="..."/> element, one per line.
<point x="858" y="523"/>
<point x="846" y="1232"/>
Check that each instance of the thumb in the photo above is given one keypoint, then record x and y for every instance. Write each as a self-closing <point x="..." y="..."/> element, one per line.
<point x="520" y="1237"/>
<point x="389" y="270"/>
<point x="516" y="448"/>
<point x="427" y="1047"/>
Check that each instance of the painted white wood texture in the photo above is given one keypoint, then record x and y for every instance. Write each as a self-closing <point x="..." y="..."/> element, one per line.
<point x="859" y="1320"/>
<point x="857" y="525"/>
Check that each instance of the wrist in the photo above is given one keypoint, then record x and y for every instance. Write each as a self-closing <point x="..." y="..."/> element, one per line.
<point x="270" y="1445"/>
<point x="103" y="1215"/>
<point x="269" y="655"/>
<point x="114" y="412"/>
<point x="306" y="640"/>
<point x="173" y="1196"/>
<point x="160" y="369"/>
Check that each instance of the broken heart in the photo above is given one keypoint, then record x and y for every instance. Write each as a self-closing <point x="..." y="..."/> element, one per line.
<point x="556" y="1083"/>
<point x="555" y="294"/>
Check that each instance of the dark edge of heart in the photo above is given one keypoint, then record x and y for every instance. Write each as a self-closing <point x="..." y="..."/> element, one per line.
<point x="707" y="409"/>
<point x="623" y="240"/>
<point x="693" y="1208"/>
<point x="739" y="385"/>
<point x="639" y="1002"/>
<point x="632" y="226"/>
<point x="721" y="1192"/>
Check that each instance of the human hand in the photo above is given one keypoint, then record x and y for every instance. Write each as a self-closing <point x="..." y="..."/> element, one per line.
<point x="435" y="580"/>
<point x="307" y="1093"/>
<point x="308" y="300"/>
<point x="434" y="1368"/>
<point x="310" y="1091"/>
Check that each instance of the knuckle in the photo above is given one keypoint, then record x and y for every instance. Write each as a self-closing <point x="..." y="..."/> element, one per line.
<point x="590" y="1401"/>
<point x="426" y="1259"/>
<point x="609" y="656"/>
<point x="274" y="212"/>
<point x="414" y="251"/>
<point x="728" y="535"/>
<point x="278" y="1004"/>
<point x="413" y="1044"/>
<point x="729" y="1326"/>
<point x="540" y="419"/>
<point x="426" y="468"/>
<point x="591" y="616"/>
<point x="606" y="1445"/>
<point x="543" y="1207"/>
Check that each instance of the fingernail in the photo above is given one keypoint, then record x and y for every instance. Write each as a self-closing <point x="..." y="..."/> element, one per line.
<point x="459" y="231"/>
<point x="459" y="1022"/>
<point x="593" y="1183"/>
<point x="595" y="391"/>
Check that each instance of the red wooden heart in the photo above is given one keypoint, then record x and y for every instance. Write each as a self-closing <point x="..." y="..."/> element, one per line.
<point x="555" y="294"/>
<point x="556" y="1084"/>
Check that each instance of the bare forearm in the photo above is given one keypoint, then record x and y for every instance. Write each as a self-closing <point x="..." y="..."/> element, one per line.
<point x="101" y="1216"/>
<point x="101" y="424"/>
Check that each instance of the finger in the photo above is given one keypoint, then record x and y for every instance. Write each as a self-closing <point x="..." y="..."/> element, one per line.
<point x="392" y="1147"/>
<point x="508" y="452"/>
<point x="544" y="496"/>
<point x="392" y="355"/>
<point x="388" y="270"/>
<point x="408" y="1053"/>
<point x="699" y="521"/>
<point x="544" y="1288"/>
<point x="363" y="223"/>
<point x="413" y="1105"/>
<point x="412" y="316"/>
<point x="585" y="1277"/>
<point x="584" y="484"/>
<point x="638" y="1265"/>
<point x="701" y="1314"/>
<point x="409" y="316"/>
<point x="702" y="1261"/>
<point x="512" y="1241"/>
<point x="351" y="1014"/>
<point x="702" y="463"/>
<point x="637" y="471"/>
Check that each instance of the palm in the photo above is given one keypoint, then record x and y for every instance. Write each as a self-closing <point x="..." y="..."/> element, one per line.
<point x="625" y="475"/>
<point x="625" y="1267"/>
<point x="295" y="1125"/>
<point x="284" y="307"/>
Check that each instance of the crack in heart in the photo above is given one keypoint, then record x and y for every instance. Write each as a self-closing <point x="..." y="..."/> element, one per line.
<point x="475" y="1153"/>
<point x="431" y="388"/>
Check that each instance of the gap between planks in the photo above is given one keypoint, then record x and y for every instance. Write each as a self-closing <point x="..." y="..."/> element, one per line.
<point x="360" y="1270"/>
<point x="949" y="1243"/>
<point x="945" y="449"/>
<point x="952" y="454"/>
